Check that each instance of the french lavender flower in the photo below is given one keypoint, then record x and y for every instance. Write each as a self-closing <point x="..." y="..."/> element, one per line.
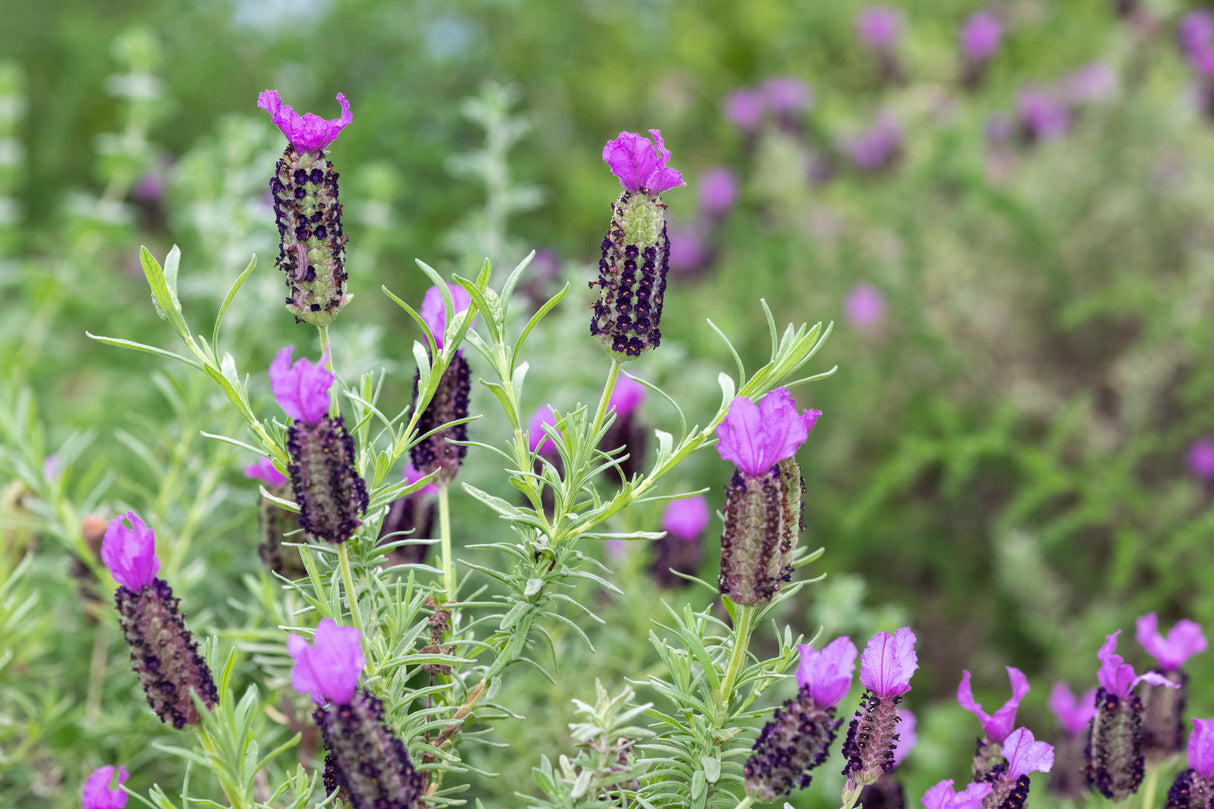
<point x="864" y="307"/>
<point x="979" y="36"/>
<point x="1200" y="459"/>
<point x="887" y="792"/>
<point x="718" y="192"/>
<point x="439" y="451"/>
<point x="274" y="521"/>
<point x="744" y="109"/>
<point x="626" y="431"/>
<point x="312" y="246"/>
<point x="1068" y="778"/>
<point x="788" y="99"/>
<point x="942" y="796"/>
<point x="636" y="250"/>
<point x="682" y="549"/>
<point x="879" y="27"/>
<point x="97" y="792"/>
<point x="324" y="475"/>
<point x="886" y="667"/>
<point x="1010" y="781"/>
<point x="163" y="652"/>
<point x="1114" y="754"/>
<point x="1195" y="31"/>
<point x="996" y="728"/>
<point x="877" y="148"/>
<point x="1163" y="708"/>
<point x="1040" y="116"/>
<point x="364" y="758"/>
<point x="799" y="735"/>
<point x="412" y="515"/>
<point x="763" y="501"/>
<point x="1194" y="787"/>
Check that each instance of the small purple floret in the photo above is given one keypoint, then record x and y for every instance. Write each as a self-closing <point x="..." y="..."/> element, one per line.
<point x="888" y="662"/>
<point x="97" y="792"/>
<point x="640" y="165"/>
<point x="687" y="518"/>
<point x="329" y="667"/>
<point x="998" y="726"/>
<point x="301" y="389"/>
<point x="1025" y="754"/>
<point x="310" y="132"/>
<point x="264" y="471"/>
<point x="980" y="36"/>
<point x="435" y="313"/>
<point x="828" y="672"/>
<point x="1117" y="676"/>
<point x="130" y="553"/>
<point x="757" y="437"/>
<point x="1184" y="640"/>
<point x="942" y="796"/>
<point x="1073" y="714"/>
<point x="1201" y="747"/>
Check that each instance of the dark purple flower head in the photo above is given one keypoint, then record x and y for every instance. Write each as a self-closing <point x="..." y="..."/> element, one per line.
<point x="998" y="726"/>
<point x="687" y="518"/>
<point x="435" y="314"/>
<point x="1195" y="31"/>
<point x="980" y="36"/>
<point x="309" y="133"/>
<point x="1201" y="747"/>
<point x="1201" y="459"/>
<point x="718" y="191"/>
<point x="264" y="470"/>
<point x="627" y="396"/>
<point x="879" y="27"/>
<point x="1073" y="714"/>
<point x="942" y="796"/>
<point x="537" y="439"/>
<point x="788" y="95"/>
<point x="888" y="662"/>
<point x="1041" y="115"/>
<point x="865" y="307"/>
<point x="1024" y="754"/>
<point x="1184" y="640"/>
<point x="130" y="553"/>
<point x="1117" y="676"/>
<point x="907" y="738"/>
<point x="827" y="673"/>
<point x="329" y="667"/>
<point x="757" y="437"/>
<point x="302" y="389"/>
<point x="744" y="109"/>
<point x="640" y="165"/>
<point x="97" y="792"/>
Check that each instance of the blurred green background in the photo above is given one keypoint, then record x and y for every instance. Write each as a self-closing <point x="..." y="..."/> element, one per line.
<point x="1003" y="460"/>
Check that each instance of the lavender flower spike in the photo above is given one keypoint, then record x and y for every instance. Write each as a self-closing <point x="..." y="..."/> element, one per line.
<point x="757" y="437"/>
<point x="942" y="796"/>
<point x="302" y="389"/>
<point x="329" y="667"/>
<point x="1194" y="787"/>
<point x="1184" y="640"/>
<point x="440" y="450"/>
<point x="307" y="133"/>
<point x="1010" y="782"/>
<point x="130" y="553"/>
<point x="97" y="792"/>
<point x="886" y="666"/>
<point x="998" y="726"/>
<point x="1164" y="708"/>
<point x="639" y="165"/>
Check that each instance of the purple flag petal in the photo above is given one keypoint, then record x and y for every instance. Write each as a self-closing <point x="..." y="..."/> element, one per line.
<point x="264" y="471"/>
<point x="998" y="726"/>
<point x="1184" y="640"/>
<point x="97" y="792"/>
<point x="329" y="668"/>
<point x="888" y="662"/>
<point x="1025" y="755"/>
<point x="307" y="133"/>
<point x="1117" y="676"/>
<point x="687" y="518"/>
<point x="942" y="796"/>
<point x="1073" y="714"/>
<point x="828" y="673"/>
<point x="130" y="553"/>
<point x="435" y="313"/>
<point x="302" y="389"/>
<point x="756" y="437"/>
<point x="1201" y="747"/>
<point x="640" y="165"/>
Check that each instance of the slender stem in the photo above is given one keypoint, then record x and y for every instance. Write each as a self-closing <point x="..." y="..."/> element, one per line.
<point x="343" y="556"/>
<point x="444" y="529"/>
<point x="745" y="617"/>
<point x="1148" y="790"/>
<point x="325" y="349"/>
<point x="605" y="399"/>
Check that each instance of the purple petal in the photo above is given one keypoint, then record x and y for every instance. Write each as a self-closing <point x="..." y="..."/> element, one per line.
<point x="998" y="726"/>
<point x="1200" y="459"/>
<point x="756" y="437"/>
<point x="1184" y="640"/>
<point x="435" y="313"/>
<point x="687" y="518"/>
<point x="130" y="553"/>
<point x="97" y="792"/>
<point x="1073" y="714"/>
<point x="888" y="662"/>
<point x="411" y="476"/>
<point x="302" y="389"/>
<point x="942" y="796"/>
<point x="828" y="673"/>
<point x="1025" y="755"/>
<point x="907" y="738"/>
<point x="537" y="439"/>
<point x="640" y="165"/>
<point x="329" y="668"/>
<point x="307" y="133"/>
<point x="1201" y="747"/>
<point x="626" y="397"/>
<point x="264" y="470"/>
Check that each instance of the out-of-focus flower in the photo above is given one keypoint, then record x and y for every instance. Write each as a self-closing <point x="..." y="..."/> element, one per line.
<point x="787" y="94"/>
<point x="1069" y="778"/>
<point x="1073" y="713"/>
<point x="434" y="312"/>
<point x="1040" y="115"/>
<point x="328" y="668"/>
<point x="1200" y="459"/>
<point x="980" y="36"/>
<point x="1092" y="82"/>
<point x="686" y="518"/>
<point x="264" y="471"/>
<point x="744" y="108"/>
<point x="878" y="147"/>
<point x="1164" y="707"/>
<point x="1195" y="31"/>
<point x="537" y="440"/>
<point x="865" y="307"/>
<point x="1184" y="640"/>
<point x="879" y="27"/>
<point x="97" y="792"/>
<point x="718" y="192"/>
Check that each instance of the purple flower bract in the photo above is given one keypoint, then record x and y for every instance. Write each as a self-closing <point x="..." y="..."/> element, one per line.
<point x="435" y="313"/>
<point x="264" y="471"/>
<point x="301" y="389"/>
<point x="998" y="726"/>
<point x="640" y="165"/>
<point x="757" y="437"/>
<point x="888" y="662"/>
<point x="1024" y="754"/>
<point x="827" y="673"/>
<point x="130" y="553"/>
<point x="307" y="133"/>
<point x="97" y="792"/>
<point x="687" y="518"/>
<point x="942" y="796"/>
<point x="1117" y="676"/>
<point x="1201" y="747"/>
<point x="1072" y="713"/>
<point x="1184" y="640"/>
<point x="328" y="668"/>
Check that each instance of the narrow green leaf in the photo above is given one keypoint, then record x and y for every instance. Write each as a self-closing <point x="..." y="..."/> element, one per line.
<point x="227" y="301"/>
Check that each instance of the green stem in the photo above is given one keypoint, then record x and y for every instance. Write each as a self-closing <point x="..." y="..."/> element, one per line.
<point x="343" y="556"/>
<point x="324" y="347"/>
<point x="444" y="530"/>
<point x="745" y="618"/>
<point x="1148" y="789"/>
<point x="605" y="399"/>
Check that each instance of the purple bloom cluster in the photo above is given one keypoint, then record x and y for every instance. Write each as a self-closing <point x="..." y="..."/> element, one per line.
<point x="886" y="666"/>
<point x="781" y="99"/>
<point x="440" y="449"/>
